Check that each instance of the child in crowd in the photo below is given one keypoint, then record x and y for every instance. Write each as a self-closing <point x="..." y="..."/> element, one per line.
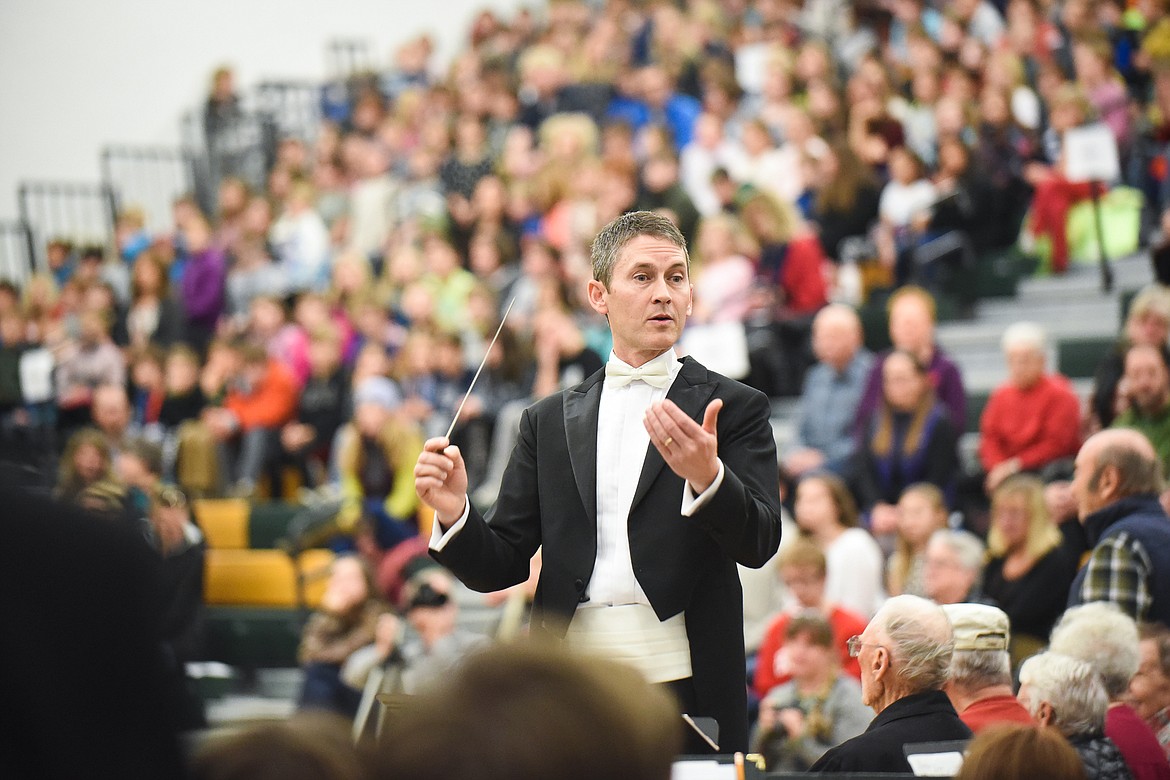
<point x="922" y="510"/>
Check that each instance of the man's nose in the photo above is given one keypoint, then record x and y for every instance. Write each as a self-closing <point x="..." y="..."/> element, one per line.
<point x="661" y="290"/>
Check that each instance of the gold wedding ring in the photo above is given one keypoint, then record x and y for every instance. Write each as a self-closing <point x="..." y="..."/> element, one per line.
<point x="669" y="439"/>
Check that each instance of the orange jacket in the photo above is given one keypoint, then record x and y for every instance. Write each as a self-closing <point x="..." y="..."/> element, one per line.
<point x="270" y="404"/>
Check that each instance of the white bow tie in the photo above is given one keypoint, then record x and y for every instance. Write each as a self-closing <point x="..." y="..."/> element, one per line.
<point x="655" y="374"/>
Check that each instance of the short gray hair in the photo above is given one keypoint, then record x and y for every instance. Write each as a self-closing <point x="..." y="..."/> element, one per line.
<point x="613" y="237"/>
<point x="923" y="655"/>
<point x="1073" y="689"/>
<point x="1024" y="334"/>
<point x="1105" y="638"/>
<point x="975" y="669"/>
<point x="966" y="546"/>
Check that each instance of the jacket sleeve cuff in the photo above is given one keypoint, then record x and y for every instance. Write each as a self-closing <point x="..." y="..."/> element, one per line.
<point x="439" y="538"/>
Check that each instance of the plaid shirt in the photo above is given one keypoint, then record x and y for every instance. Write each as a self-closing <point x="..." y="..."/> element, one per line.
<point x="1118" y="571"/>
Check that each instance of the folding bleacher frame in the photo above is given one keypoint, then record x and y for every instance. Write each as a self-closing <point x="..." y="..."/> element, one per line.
<point x="150" y="177"/>
<point x="82" y="212"/>
<point x="17" y="251"/>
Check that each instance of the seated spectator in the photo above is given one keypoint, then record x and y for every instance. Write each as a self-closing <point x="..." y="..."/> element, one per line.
<point x="1054" y="195"/>
<point x="661" y="191"/>
<point x="300" y="241"/>
<point x="184" y="396"/>
<point x="922" y="510"/>
<point x="1031" y="422"/>
<point x="802" y="569"/>
<point x="1116" y="491"/>
<point x="906" y="206"/>
<point x="307" y="439"/>
<point x="1147" y="324"/>
<point x="904" y="652"/>
<point x="572" y="717"/>
<point x="420" y="654"/>
<point x="112" y="416"/>
<point x="1066" y="695"/>
<point x="791" y="261"/>
<point x="345" y="622"/>
<point x="657" y="104"/>
<point x="1107" y="640"/>
<point x="832" y="391"/>
<point x="1029" y="569"/>
<point x="722" y="275"/>
<point x="846" y="201"/>
<point x="912" y="318"/>
<point x="147" y="390"/>
<point x="376" y="452"/>
<point x="268" y="325"/>
<point x="909" y="439"/>
<point x="154" y="315"/>
<point x="818" y="708"/>
<point x="825" y="511"/>
<point x="85" y="365"/>
<point x="953" y="570"/>
<point x="202" y="283"/>
<point x="261" y="397"/>
<point x="1147" y="396"/>
<point x="85" y="461"/>
<point x="980" y="680"/>
<point x="1149" y="689"/>
<point x="1018" y="752"/>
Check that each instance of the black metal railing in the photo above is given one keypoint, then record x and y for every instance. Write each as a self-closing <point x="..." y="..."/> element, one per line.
<point x="80" y="212"/>
<point x="17" y="252"/>
<point x="348" y="57"/>
<point x="294" y="107"/>
<point x="150" y="178"/>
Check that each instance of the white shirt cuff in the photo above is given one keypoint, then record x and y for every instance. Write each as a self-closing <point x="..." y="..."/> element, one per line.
<point x="692" y="503"/>
<point x="439" y="539"/>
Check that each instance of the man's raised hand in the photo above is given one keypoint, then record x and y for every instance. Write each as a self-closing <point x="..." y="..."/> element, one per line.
<point x="440" y="479"/>
<point x="690" y="449"/>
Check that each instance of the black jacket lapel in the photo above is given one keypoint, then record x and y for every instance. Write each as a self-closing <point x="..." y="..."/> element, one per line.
<point x="581" y="408"/>
<point x="691" y="391"/>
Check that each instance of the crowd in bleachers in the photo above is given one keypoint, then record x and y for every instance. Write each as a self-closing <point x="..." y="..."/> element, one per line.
<point x="302" y="339"/>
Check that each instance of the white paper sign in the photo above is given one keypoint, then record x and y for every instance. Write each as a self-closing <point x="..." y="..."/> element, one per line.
<point x="702" y="770"/>
<point x="1090" y="154"/>
<point x="936" y="764"/>
<point x="721" y="347"/>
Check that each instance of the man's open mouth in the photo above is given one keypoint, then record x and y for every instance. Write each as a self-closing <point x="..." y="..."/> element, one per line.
<point x="662" y="318"/>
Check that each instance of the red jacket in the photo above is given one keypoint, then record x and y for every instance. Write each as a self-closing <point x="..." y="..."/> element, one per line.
<point x="803" y="275"/>
<point x="845" y="624"/>
<point x="1037" y="425"/>
<point x="270" y="404"/>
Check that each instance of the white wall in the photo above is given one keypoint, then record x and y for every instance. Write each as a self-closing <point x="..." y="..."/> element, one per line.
<point x="76" y="74"/>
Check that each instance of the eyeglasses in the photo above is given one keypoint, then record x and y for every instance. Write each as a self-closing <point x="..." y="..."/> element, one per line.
<point x="854" y="645"/>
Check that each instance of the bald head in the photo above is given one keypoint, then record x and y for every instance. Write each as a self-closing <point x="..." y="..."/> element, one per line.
<point x="836" y="335"/>
<point x="1114" y="464"/>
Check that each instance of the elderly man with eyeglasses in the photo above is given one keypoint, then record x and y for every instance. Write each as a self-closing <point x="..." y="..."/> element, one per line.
<point x="905" y="653"/>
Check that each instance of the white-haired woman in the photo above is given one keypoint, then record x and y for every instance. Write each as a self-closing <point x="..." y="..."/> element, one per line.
<point x="1065" y="693"/>
<point x="1031" y="421"/>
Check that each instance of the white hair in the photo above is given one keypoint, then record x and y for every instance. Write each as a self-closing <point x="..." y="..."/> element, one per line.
<point x="976" y="669"/>
<point x="1104" y="637"/>
<point x="1072" y="688"/>
<point x="965" y="545"/>
<point x="921" y="641"/>
<point x="1024" y="334"/>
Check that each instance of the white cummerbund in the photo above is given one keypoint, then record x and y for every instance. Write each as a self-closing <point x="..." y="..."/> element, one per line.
<point x="633" y="634"/>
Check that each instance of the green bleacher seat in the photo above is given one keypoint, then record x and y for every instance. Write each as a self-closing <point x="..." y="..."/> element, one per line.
<point x="976" y="401"/>
<point x="1077" y="358"/>
<point x="253" y="637"/>
<point x="268" y="522"/>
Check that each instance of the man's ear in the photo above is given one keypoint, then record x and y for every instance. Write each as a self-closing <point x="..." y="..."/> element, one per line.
<point x="691" y="301"/>
<point x="1108" y="481"/>
<point x="1045" y="714"/>
<point x="880" y="664"/>
<point x="597" y="292"/>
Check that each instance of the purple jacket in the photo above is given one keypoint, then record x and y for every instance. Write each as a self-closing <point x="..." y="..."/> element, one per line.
<point x="948" y="389"/>
<point x="203" y="286"/>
